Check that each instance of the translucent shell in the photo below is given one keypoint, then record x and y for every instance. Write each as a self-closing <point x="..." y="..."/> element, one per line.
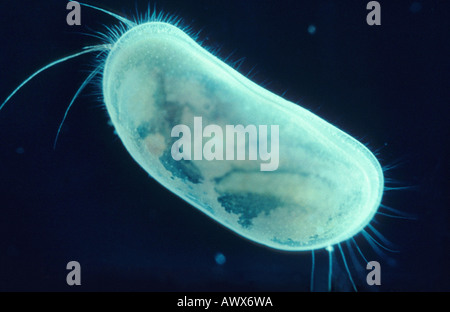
<point x="326" y="188"/>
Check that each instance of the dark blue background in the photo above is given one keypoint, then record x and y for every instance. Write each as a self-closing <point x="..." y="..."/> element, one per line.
<point x="89" y="201"/>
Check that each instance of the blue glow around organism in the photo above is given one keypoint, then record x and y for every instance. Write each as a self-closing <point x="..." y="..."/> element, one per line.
<point x="327" y="188"/>
<point x="328" y="185"/>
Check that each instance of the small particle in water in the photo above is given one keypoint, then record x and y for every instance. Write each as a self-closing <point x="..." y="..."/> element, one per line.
<point x="20" y="150"/>
<point x="220" y="258"/>
<point x="415" y="7"/>
<point x="311" y="29"/>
